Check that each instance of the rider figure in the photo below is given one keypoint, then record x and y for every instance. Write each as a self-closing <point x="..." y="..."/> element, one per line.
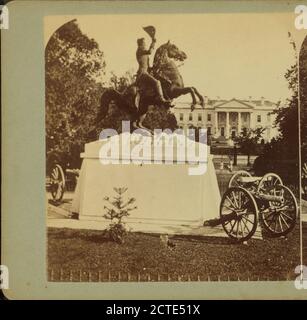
<point x="143" y="75"/>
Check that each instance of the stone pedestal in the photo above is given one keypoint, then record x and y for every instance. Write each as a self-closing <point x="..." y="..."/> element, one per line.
<point x="164" y="193"/>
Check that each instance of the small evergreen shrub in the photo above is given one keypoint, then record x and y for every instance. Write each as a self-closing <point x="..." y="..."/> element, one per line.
<point x="118" y="209"/>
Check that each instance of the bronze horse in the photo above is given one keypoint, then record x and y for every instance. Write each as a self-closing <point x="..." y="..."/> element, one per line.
<point x="136" y="99"/>
<point x="165" y="70"/>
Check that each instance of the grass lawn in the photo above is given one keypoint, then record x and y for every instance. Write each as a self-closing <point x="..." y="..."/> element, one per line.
<point x="83" y="255"/>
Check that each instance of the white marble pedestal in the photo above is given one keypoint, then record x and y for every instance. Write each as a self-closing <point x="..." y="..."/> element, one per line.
<point x="165" y="193"/>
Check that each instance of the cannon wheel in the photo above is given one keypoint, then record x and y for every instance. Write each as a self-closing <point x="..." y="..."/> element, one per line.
<point x="239" y="214"/>
<point x="279" y="217"/>
<point x="268" y="182"/>
<point x="57" y="186"/>
<point x="234" y="180"/>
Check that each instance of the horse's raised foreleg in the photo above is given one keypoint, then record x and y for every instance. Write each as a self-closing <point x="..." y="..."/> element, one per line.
<point x="140" y="122"/>
<point x="140" y="125"/>
<point x="182" y="91"/>
<point x="200" y="97"/>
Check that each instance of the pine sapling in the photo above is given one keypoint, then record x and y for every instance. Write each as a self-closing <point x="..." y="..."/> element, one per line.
<point x="117" y="210"/>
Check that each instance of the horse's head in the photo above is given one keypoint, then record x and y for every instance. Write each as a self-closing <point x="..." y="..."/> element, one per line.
<point x="164" y="66"/>
<point x="174" y="53"/>
<point x="168" y="51"/>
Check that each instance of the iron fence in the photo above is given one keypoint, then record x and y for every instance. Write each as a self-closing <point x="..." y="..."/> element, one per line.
<point x="61" y="275"/>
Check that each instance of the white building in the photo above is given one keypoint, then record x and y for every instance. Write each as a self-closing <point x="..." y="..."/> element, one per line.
<point x="227" y="118"/>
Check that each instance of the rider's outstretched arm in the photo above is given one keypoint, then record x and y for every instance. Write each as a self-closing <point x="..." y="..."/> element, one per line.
<point x="152" y="46"/>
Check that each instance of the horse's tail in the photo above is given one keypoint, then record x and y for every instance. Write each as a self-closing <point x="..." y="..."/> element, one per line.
<point x="131" y="96"/>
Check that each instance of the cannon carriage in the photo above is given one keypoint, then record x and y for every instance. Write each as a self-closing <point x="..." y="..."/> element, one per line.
<point x="60" y="180"/>
<point x="250" y="200"/>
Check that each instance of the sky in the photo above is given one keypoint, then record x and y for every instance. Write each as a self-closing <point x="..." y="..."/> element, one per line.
<point x="229" y="55"/>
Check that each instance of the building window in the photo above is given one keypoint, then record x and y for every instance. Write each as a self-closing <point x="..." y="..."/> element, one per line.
<point x="209" y="117"/>
<point x="181" y="116"/>
<point x="190" y="117"/>
<point x="209" y="131"/>
<point x="233" y="117"/>
<point x="222" y="131"/>
<point x="199" y="117"/>
<point x="233" y="132"/>
<point x="258" y="118"/>
<point x="269" y="118"/>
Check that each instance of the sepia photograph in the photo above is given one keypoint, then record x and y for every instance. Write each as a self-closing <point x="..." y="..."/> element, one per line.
<point x="230" y="96"/>
<point x="154" y="151"/>
<point x="172" y="147"/>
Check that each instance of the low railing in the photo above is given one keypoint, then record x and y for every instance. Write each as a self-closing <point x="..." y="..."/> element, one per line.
<point x="61" y="275"/>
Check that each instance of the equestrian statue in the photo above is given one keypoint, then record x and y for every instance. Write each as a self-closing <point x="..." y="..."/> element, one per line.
<point x="154" y="86"/>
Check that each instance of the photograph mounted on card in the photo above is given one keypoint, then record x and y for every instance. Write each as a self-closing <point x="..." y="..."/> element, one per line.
<point x="164" y="144"/>
<point x="122" y="124"/>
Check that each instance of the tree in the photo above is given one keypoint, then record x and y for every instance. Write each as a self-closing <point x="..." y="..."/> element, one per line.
<point x="74" y="67"/>
<point x="303" y="98"/>
<point x="287" y="115"/>
<point x="248" y="141"/>
<point x="121" y="83"/>
<point x="281" y="155"/>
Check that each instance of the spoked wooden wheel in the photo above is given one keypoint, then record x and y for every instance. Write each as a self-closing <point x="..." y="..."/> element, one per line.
<point x="235" y="179"/>
<point x="239" y="214"/>
<point x="279" y="217"/>
<point x="268" y="182"/>
<point x="57" y="183"/>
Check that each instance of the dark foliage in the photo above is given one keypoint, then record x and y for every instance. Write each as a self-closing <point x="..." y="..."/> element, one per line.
<point x="281" y="155"/>
<point x="303" y="98"/>
<point x="74" y="65"/>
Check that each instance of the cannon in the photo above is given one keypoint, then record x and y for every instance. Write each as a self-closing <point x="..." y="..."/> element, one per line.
<point x="59" y="179"/>
<point x="250" y="200"/>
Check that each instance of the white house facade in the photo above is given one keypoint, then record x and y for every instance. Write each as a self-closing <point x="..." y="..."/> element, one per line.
<point x="227" y="118"/>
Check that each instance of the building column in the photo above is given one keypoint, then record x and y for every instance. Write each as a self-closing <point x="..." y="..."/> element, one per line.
<point x="216" y="128"/>
<point x="227" y="126"/>
<point x="239" y="123"/>
<point x="252" y="121"/>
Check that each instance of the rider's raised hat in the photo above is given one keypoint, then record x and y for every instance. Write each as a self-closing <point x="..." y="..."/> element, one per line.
<point x="151" y="30"/>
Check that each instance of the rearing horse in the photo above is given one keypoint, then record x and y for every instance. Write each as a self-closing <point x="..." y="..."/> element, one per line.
<point x="165" y="70"/>
<point x="136" y="99"/>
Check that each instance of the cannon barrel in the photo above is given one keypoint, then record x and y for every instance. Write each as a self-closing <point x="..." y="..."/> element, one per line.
<point x="269" y="197"/>
<point x="220" y="220"/>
